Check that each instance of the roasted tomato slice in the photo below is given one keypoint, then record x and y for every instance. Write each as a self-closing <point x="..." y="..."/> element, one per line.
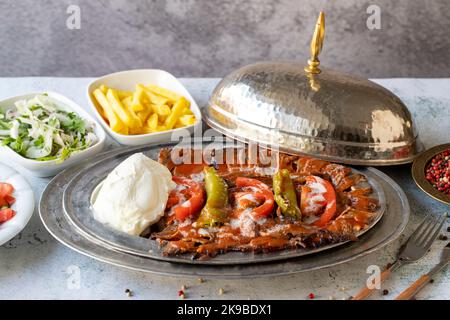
<point x="248" y="199"/>
<point x="6" y="214"/>
<point x="194" y="195"/>
<point x="260" y="191"/>
<point x="318" y="198"/>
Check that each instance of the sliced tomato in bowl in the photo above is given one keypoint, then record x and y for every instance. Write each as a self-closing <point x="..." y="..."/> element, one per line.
<point x="6" y="189"/>
<point x="6" y="214"/>
<point x="6" y="201"/>
<point x="10" y="200"/>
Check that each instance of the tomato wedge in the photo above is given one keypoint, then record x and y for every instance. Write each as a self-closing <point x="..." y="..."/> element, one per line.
<point x="195" y="202"/>
<point x="260" y="191"/>
<point x="6" y="214"/>
<point x="6" y="200"/>
<point x="10" y="200"/>
<point x="6" y="189"/>
<point x="3" y="202"/>
<point x="316" y="194"/>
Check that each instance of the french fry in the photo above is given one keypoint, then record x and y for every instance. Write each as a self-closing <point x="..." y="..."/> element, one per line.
<point x="135" y="130"/>
<point x="178" y="124"/>
<point x="123" y="94"/>
<point x="153" y="98"/>
<point x="130" y="119"/>
<point x="128" y="101"/>
<point x="152" y="122"/>
<point x="114" y="121"/>
<point x="104" y="88"/>
<point x="143" y="115"/>
<point x="186" y="120"/>
<point x="98" y="105"/>
<point x="146" y="129"/>
<point x="138" y="97"/>
<point x="124" y="130"/>
<point x="176" y="112"/>
<point x="187" y="111"/>
<point x="164" y="92"/>
<point x="161" y="110"/>
<point x="138" y="121"/>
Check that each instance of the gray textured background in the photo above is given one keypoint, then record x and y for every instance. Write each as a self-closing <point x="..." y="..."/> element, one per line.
<point x="208" y="38"/>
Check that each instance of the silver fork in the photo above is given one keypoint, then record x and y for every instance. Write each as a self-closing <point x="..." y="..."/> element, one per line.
<point x="414" y="249"/>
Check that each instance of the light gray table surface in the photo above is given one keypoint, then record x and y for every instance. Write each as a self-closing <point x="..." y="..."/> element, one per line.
<point x="33" y="265"/>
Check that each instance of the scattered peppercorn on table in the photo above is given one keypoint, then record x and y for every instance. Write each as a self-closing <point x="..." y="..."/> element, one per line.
<point x="33" y="265"/>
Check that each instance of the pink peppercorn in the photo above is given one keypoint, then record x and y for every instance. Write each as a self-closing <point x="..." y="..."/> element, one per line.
<point x="438" y="172"/>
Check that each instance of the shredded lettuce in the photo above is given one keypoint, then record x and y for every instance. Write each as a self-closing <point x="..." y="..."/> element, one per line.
<point x="42" y="129"/>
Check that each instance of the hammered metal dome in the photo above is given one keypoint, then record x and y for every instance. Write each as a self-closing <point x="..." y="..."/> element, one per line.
<point x="306" y="110"/>
<point x="328" y="115"/>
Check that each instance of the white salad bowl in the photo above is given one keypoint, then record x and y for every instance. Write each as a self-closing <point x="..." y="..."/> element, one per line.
<point x="24" y="205"/>
<point x="127" y="80"/>
<point x="51" y="167"/>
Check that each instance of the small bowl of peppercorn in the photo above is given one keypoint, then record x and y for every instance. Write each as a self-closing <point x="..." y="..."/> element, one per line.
<point x="431" y="172"/>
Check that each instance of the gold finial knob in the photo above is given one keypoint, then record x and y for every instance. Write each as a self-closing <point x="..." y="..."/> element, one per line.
<point x="316" y="45"/>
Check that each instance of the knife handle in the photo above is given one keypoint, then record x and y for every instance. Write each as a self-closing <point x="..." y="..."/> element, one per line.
<point x="414" y="288"/>
<point x="364" y="293"/>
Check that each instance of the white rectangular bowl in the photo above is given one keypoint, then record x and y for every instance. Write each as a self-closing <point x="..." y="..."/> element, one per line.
<point x="52" y="167"/>
<point x="127" y="80"/>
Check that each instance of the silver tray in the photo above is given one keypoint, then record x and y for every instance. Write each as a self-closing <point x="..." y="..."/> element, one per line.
<point x="76" y="205"/>
<point x="63" y="229"/>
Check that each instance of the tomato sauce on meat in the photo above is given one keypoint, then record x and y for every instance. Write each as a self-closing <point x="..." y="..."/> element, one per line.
<point x="335" y="207"/>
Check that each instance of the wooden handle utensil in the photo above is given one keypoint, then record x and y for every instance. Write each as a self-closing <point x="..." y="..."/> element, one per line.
<point x="414" y="288"/>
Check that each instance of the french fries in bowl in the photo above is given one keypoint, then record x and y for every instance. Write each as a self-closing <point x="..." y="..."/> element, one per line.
<point x="137" y="107"/>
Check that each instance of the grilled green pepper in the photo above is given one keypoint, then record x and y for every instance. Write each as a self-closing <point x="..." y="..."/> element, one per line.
<point x="215" y="210"/>
<point x="285" y="195"/>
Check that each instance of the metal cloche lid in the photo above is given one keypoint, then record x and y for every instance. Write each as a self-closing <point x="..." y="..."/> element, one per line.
<point x="309" y="111"/>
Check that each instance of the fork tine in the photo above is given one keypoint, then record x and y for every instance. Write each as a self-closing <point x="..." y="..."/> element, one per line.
<point x="435" y="231"/>
<point x="433" y="237"/>
<point x="426" y="231"/>
<point x="416" y="233"/>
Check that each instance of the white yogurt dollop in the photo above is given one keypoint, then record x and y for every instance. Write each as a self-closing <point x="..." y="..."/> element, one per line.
<point x="134" y="195"/>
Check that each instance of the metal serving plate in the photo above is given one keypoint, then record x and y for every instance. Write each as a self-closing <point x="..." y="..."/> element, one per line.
<point x="385" y="231"/>
<point x="418" y="172"/>
<point x="76" y="204"/>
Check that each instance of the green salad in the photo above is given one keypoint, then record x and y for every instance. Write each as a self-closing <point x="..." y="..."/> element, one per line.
<point x="41" y="129"/>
